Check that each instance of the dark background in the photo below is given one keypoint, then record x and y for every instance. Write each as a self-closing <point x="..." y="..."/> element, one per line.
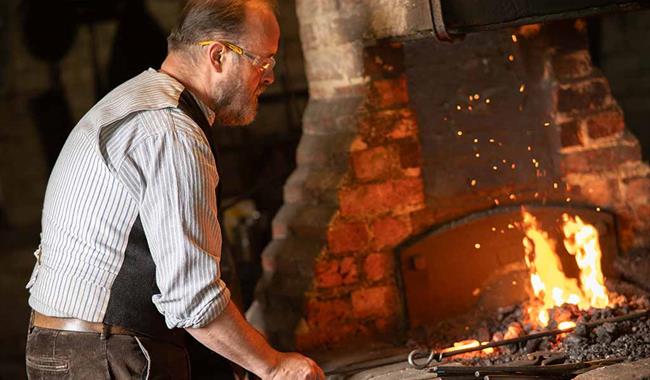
<point x="58" y="57"/>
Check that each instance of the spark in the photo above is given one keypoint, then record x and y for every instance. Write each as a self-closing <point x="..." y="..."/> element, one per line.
<point x="469" y="108"/>
<point x="458" y="107"/>
<point x="475" y="141"/>
<point x="513" y="166"/>
<point x="511" y="226"/>
<point x="496" y="201"/>
<point x="511" y="58"/>
<point x="568" y="200"/>
<point x="494" y="229"/>
<point x="477" y="246"/>
<point x="555" y="185"/>
<point x="529" y="148"/>
<point x="477" y="96"/>
<point x="459" y="133"/>
<point x="487" y="100"/>
<point x="491" y="140"/>
<point x="473" y="182"/>
<point x="522" y="87"/>
<point x="503" y="161"/>
<point x="514" y="38"/>
<point x="512" y="197"/>
<point x="547" y="124"/>
<point x="494" y="167"/>
<point x="597" y="209"/>
<point x="478" y="155"/>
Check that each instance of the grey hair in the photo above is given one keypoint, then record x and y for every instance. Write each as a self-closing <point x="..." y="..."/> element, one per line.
<point x="205" y="19"/>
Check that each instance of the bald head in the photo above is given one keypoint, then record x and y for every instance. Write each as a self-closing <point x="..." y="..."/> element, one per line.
<point x="212" y="19"/>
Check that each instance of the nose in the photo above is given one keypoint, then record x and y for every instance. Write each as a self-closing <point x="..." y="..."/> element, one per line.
<point x="268" y="77"/>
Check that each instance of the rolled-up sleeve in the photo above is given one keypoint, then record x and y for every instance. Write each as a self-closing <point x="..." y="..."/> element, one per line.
<point x="178" y="179"/>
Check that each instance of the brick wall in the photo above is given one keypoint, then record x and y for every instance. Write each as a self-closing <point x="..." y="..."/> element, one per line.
<point x="622" y="50"/>
<point x="381" y="158"/>
<point x="600" y="158"/>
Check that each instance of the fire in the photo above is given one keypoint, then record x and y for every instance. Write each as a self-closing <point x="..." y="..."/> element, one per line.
<point x="566" y="325"/>
<point x="468" y="343"/>
<point x="550" y="285"/>
<point x="581" y="240"/>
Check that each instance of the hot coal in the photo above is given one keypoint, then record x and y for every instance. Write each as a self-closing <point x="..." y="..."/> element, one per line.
<point x="628" y="339"/>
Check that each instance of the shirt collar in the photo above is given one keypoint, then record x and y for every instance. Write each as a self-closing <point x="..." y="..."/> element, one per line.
<point x="209" y="114"/>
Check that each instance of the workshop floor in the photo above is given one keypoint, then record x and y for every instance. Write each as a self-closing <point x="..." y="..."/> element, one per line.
<point x="16" y="262"/>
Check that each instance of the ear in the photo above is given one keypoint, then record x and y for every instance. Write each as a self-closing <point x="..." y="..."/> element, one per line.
<point x="216" y="53"/>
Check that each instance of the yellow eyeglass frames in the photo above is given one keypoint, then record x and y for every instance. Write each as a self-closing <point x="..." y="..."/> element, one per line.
<point x="261" y="63"/>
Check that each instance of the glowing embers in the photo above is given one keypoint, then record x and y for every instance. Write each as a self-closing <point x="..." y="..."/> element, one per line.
<point x="550" y="285"/>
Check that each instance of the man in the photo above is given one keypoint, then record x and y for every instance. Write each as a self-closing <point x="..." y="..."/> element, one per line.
<point x="130" y="243"/>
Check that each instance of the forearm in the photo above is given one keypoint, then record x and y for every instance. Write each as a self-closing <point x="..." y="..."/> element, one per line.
<point x="232" y="337"/>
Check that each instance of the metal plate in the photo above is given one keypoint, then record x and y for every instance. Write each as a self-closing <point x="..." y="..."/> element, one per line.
<point x="442" y="269"/>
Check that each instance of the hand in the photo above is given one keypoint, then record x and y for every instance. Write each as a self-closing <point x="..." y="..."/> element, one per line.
<point x="295" y="366"/>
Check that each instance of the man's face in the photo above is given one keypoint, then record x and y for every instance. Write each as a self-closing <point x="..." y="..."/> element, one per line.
<point x="243" y="82"/>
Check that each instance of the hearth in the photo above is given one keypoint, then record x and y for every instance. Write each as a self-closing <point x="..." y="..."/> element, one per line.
<point x="431" y="178"/>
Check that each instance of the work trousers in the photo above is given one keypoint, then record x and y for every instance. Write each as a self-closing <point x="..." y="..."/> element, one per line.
<point x="57" y="354"/>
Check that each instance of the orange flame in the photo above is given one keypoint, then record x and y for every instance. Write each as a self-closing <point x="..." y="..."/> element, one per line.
<point x="581" y="240"/>
<point x="467" y="344"/>
<point x="549" y="283"/>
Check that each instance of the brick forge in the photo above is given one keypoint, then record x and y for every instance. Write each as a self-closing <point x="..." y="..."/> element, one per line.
<point x="364" y="181"/>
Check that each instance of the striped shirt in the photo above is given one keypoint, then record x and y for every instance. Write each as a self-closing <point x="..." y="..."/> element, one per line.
<point x="135" y="153"/>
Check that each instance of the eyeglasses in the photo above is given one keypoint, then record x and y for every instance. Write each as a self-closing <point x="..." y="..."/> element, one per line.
<point x="261" y="63"/>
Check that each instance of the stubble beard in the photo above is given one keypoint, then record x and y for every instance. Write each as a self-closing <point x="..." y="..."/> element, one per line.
<point x="235" y="106"/>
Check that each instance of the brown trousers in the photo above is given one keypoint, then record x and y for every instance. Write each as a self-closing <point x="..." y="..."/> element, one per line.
<point x="56" y="354"/>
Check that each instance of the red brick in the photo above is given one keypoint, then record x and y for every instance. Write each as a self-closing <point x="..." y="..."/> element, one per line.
<point x="374" y="163"/>
<point x="379" y="266"/>
<point x="327" y="274"/>
<point x="583" y="96"/>
<point x="409" y="153"/>
<point x="389" y="93"/>
<point x="390" y="231"/>
<point x="347" y="237"/>
<point x="349" y="271"/>
<point x="571" y="65"/>
<point x="376" y="198"/>
<point x="380" y="128"/>
<point x="637" y="190"/>
<point x="605" y="158"/>
<point x="323" y="313"/>
<point x="375" y="302"/>
<point x="570" y="134"/>
<point x="598" y="190"/>
<point x="605" y="124"/>
<point x="385" y="60"/>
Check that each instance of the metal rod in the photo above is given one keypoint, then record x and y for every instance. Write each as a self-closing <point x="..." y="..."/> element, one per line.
<point x="431" y="355"/>
<point x="554" y="369"/>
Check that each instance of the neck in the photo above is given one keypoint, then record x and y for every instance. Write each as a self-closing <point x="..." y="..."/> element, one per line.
<point x="189" y="77"/>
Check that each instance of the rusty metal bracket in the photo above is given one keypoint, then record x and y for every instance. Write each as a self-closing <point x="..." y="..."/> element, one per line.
<point x="439" y="27"/>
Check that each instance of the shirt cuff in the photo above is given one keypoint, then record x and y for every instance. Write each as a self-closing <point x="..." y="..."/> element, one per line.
<point x="207" y="312"/>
